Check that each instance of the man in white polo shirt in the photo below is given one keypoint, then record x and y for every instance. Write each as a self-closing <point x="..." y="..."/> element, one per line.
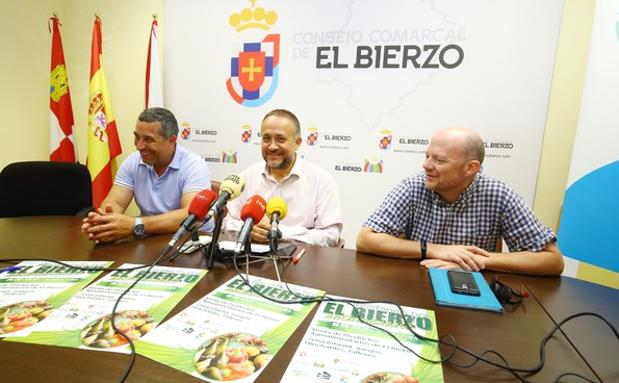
<point x="162" y="176"/>
<point x="314" y="210"/>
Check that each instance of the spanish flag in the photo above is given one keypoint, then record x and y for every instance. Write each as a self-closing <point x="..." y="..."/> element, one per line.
<point x="63" y="147"/>
<point x="103" y="142"/>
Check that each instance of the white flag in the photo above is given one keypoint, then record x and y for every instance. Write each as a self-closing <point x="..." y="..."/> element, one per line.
<point x="154" y="91"/>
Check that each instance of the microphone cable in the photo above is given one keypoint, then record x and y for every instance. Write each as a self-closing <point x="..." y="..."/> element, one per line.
<point x="516" y="371"/>
<point x="352" y="302"/>
<point x="149" y="267"/>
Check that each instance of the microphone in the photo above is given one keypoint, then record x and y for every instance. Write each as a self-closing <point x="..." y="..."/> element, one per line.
<point x="252" y="212"/>
<point x="277" y="210"/>
<point x="231" y="187"/>
<point x="198" y="209"/>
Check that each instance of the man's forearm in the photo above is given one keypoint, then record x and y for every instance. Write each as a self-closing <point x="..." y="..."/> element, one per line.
<point x="164" y="223"/>
<point x="116" y="207"/>
<point x="387" y="245"/>
<point x="527" y="262"/>
<point x="328" y="236"/>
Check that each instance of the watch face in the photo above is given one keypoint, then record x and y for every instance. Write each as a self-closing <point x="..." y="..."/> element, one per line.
<point x="139" y="230"/>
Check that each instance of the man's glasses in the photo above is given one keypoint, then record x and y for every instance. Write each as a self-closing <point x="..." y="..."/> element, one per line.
<point x="505" y="294"/>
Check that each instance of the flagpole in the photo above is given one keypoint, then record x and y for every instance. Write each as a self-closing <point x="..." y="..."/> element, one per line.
<point x="153" y="89"/>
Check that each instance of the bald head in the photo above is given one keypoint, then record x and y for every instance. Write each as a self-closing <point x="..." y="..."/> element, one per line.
<point x="465" y="140"/>
<point x="453" y="160"/>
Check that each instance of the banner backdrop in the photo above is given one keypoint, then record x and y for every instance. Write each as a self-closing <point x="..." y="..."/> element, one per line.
<point x="370" y="82"/>
<point x="591" y="207"/>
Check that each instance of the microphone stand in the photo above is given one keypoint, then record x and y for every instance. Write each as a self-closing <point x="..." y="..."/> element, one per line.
<point x="274" y="241"/>
<point x="194" y="238"/>
<point x="213" y="249"/>
<point x="273" y="244"/>
<point x="247" y="251"/>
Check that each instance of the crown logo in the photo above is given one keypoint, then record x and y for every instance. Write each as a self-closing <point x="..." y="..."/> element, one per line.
<point x="253" y="18"/>
<point x="385" y="139"/>
<point x="246" y="135"/>
<point x="312" y="137"/>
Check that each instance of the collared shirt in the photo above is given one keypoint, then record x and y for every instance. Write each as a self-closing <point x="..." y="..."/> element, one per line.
<point x="156" y="194"/>
<point x="314" y="210"/>
<point x="485" y="212"/>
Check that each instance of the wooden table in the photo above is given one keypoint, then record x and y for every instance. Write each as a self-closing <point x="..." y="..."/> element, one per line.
<point x="593" y="339"/>
<point x="515" y="334"/>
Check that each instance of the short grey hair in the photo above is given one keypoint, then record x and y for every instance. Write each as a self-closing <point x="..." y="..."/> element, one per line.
<point x="475" y="148"/>
<point x="289" y="115"/>
<point x="169" y="125"/>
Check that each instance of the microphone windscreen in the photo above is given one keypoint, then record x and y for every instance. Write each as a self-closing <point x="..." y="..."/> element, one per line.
<point x="254" y="208"/>
<point x="277" y="205"/>
<point x="201" y="203"/>
<point x="233" y="185"/>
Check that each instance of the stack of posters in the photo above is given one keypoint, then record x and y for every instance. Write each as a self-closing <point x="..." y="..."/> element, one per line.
<point x="338" y="347"/>
<point x="35" y="289"/>
<point x="232" y="333"/>
<point x="85" y="320"/>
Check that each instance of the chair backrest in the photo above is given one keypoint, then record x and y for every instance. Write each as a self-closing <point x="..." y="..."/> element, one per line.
<point x="44" y="188"/>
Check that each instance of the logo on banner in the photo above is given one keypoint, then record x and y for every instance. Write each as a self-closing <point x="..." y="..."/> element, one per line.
<point x="385" y="139"/>
<point x="312" y="137"/>
<point x="254" y="71"/>
<point x="95" y="109"/>
<point x="59" y="84"/>
<point x="229" y="156"/>
<point x="375" y="166"/>
<point x="185" y="130"/>
<point x="245" y="133"/>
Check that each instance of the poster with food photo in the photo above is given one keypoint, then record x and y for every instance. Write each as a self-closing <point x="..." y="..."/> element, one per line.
<point x="232" y="333"/>
<point x="338" y="347"/>
<point x="85" y="321"/>
<point x="32" y="290"/>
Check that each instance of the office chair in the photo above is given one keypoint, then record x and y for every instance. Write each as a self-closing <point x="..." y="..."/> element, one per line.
<point x="44" y="188"/>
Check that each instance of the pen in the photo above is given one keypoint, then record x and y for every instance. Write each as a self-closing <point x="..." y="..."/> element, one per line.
<point x="297" y="257"/>
<point x="9" y="269"/>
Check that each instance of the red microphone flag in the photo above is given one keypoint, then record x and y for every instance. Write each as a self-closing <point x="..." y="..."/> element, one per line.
<point x="254" y="208"/>
<point x="201" y="203"/>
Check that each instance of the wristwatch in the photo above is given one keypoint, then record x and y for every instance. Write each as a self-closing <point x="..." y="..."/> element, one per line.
<point x="139" y="230"/>
<point x="424" y="249"/>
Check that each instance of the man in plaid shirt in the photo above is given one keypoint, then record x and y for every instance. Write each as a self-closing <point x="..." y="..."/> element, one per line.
<point x="452" y="216"/>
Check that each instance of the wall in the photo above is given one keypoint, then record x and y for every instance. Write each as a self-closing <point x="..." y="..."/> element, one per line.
<point x="24" y="72"/>
<point x="25" y="44"/>
<point x="566" y="91"/>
